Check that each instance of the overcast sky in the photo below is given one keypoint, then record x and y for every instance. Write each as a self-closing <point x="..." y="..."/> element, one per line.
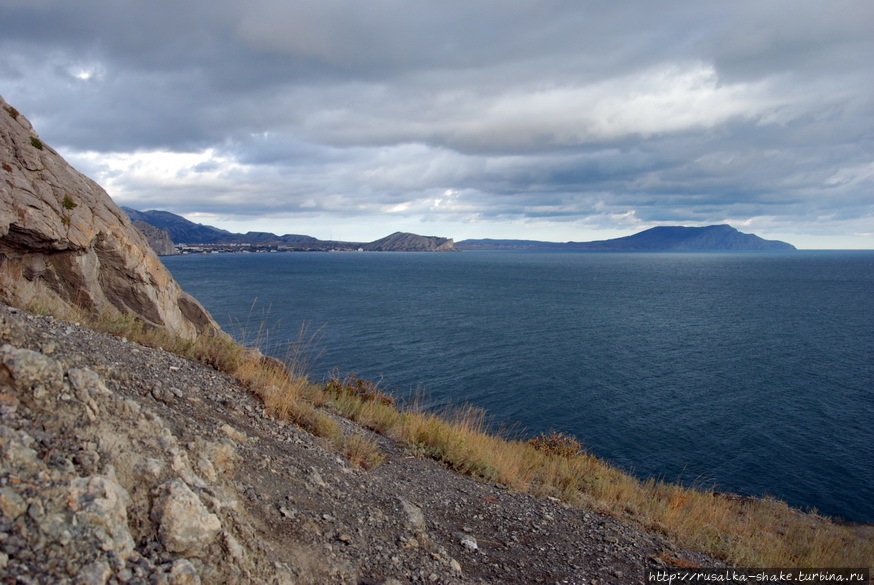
<point x="549" y="119"/>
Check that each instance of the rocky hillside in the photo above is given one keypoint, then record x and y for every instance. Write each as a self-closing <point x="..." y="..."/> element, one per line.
<point x="404" y="242"/>
<point x="125" y="464"/>
<point x="63" y="240"/>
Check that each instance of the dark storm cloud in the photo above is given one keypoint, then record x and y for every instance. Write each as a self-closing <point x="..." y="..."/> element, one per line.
<point x="576" y="115"/>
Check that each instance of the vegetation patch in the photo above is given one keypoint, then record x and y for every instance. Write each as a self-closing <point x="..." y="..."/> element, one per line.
<point x="68" y="203"/>
<point x="360" y="388"/>
<point x="12" y="112"/>
<point x="37" y="143"/>
<point x="556" y="443"/>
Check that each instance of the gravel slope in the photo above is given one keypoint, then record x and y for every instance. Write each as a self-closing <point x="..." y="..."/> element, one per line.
<point x="199" y="485"/>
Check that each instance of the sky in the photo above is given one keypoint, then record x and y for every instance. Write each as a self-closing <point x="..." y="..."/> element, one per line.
<point x="558" y="120"/>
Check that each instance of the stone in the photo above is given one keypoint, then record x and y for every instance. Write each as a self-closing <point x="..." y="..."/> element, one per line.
<point x="86" y="382"/>
<point x="101" y="504"/>
<point x="469" y="542"/>
<point x="97" y="573"/>
<point x="12" y="505"/>
<point x="15" y="449"/>
<point x="184" y="524"/>
<point x="30" y="371"/>
<point x="413" y="514"/>
<point x="183" y="572"/>
<point x="8" y="404"/>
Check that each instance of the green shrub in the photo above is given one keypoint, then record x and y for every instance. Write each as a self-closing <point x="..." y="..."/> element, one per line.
<point x="68" y="203"/>
<point x="37" y="143"/>
<point x="12" y="112"/>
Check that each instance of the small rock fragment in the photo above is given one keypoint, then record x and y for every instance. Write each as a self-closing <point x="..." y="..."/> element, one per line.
<point x="184" y="573"/>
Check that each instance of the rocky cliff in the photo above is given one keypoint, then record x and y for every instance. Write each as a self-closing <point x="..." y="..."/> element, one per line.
<point x="64" y="241"/>
<point x="158" y="239"/>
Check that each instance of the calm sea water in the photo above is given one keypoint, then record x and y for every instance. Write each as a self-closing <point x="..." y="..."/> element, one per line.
<point x="750" y="371"/>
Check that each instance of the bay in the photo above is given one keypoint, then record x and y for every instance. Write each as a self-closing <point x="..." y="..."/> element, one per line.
<point x="749" y="372"/>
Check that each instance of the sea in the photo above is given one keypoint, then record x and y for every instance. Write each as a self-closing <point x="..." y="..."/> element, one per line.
<point x="744" y="372"/>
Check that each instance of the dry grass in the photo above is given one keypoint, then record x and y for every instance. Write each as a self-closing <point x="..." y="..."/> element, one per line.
<point x="742" y="531"/>
<point x="746" y="532"/>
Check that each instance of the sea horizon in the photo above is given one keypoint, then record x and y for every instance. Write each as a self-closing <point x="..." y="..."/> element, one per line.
<point x="720" y="369"/>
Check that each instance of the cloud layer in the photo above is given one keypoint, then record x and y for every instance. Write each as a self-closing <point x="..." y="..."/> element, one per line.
<point x="551" y="120"/>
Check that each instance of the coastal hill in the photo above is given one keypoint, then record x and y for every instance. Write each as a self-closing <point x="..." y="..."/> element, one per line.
<point x="183" y="231"/>
<point x="709" y="238"/>
<point x="400" y="241"/>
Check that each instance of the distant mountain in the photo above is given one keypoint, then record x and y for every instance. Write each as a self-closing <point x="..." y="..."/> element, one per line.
<point x="183" y="231"/>
<point x="186" y="232"/>
<point x="180" y="229"/>
<point x="710" y="238"/>
<point x="404" y="242"/>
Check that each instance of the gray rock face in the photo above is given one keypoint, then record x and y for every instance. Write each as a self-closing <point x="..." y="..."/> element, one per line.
<point x="158" y="239"/>
<point x="64" y="241"/>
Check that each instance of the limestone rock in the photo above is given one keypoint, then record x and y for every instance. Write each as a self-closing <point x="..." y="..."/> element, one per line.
<point x="30" y="371"/>
<point x="183" y="572"/>
<point x="158" y="239"/>
<point x="64" y="241"/>
<point x="102" y="504"/>
<point x="12" y="505"/>
<point x="413" y="513"/>
<point x="185" y="525"/>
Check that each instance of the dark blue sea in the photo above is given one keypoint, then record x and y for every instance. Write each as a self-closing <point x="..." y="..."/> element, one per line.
<point x="747" y="372"/>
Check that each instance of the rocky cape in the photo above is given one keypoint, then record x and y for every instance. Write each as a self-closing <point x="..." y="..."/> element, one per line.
<point x="183" y="231"/>
<point x="709" y="238"/>
<point x="64" y="241"/>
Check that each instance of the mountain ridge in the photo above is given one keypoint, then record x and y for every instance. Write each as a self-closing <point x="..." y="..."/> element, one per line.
<point x="184" y="231"/>
<point x="707" y="238"/>
<point x="661" y="238"/>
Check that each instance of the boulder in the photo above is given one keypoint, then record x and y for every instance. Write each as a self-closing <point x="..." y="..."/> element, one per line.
<point x="63" y="241"/>
<point x="185" y="525"/>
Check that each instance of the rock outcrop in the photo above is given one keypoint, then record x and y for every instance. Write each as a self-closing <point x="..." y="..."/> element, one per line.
<point x="64" y="241"/>
<point x="158" y="239"/>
